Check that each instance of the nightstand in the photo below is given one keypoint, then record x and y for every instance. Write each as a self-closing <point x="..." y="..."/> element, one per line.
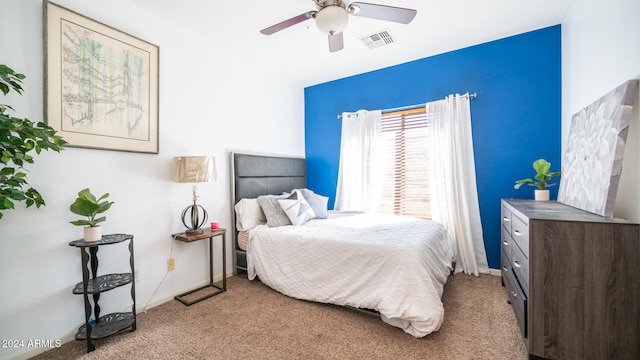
<point x="210" y="234"/>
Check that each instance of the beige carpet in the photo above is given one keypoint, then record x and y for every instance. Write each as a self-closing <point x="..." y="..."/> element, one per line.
<point x="252" y="321"/>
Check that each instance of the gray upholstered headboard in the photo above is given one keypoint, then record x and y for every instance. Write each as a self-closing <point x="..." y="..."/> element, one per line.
<point x="255" y="175"/>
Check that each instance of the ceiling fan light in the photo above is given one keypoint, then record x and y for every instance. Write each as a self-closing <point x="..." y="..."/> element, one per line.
<point x="332" y="19"/>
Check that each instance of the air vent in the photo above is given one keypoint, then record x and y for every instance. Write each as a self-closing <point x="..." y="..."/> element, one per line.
<point x="378" y="39"/>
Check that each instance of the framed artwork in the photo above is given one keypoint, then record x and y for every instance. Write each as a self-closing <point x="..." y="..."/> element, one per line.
<point x="101" y="85"/>
<point x="592" y="163"/>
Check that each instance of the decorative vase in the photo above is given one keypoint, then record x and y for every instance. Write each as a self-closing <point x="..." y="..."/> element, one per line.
<point x="542" y="195"/>
<point x="92" y="233"/>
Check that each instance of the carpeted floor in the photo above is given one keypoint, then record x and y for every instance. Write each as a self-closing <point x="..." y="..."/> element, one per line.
<point x="252" y="321"/>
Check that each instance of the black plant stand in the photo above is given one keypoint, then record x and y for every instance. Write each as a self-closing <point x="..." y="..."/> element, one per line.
<point x="93" y="284"/>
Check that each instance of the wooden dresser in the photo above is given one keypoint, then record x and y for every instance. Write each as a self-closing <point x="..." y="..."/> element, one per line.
<point x="573" y="279"/>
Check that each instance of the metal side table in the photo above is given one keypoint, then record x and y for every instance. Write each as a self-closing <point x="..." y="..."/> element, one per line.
<point x="210" y="234"/>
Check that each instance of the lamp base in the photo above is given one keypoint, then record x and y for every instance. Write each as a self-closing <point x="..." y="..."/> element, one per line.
<point x="194" y="231"/>
<point x="193" y="217"/>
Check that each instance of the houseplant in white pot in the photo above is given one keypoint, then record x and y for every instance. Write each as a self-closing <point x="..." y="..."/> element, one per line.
<point x="89" y="206"/>
<point x="543" y="175"/>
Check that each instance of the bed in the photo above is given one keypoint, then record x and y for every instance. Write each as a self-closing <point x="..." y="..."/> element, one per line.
<point x="394" y="265"/>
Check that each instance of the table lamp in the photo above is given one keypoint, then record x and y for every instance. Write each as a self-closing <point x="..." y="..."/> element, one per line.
<point x="194" y="169"/>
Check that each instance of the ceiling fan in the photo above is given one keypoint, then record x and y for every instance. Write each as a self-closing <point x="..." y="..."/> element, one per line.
<point x="332" y="17"/>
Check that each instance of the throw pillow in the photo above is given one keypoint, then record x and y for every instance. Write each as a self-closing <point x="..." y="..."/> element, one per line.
<point x="273" y="211"/>
<point x="318" y="203"/>
<point x="297" y="208"/>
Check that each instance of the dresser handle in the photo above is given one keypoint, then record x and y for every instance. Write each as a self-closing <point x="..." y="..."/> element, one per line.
<point x="506" y="219"/>
<point x="516" y="264"/>
<point x="505" y="242"/>
<point x="515" y="295"/>
<point x="517" y="232"/>
<point x="504" y="268"/>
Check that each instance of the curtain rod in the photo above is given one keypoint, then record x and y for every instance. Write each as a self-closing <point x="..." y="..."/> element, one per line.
<point x="416" y="106"/>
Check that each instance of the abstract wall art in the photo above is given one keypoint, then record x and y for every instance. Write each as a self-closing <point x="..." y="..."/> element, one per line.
<point x="592" y="163"/>
<point x="101" y="84"/>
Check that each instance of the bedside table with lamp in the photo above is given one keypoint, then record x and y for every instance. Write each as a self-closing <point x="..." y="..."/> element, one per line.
<point x="194" y="169"/>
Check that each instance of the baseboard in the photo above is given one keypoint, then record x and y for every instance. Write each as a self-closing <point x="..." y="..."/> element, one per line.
<point x="495" y="272"/>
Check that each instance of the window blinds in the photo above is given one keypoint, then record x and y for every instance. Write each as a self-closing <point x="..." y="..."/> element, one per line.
<point x="405" y="167"/>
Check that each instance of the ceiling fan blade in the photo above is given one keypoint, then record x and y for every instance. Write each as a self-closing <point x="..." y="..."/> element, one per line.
<point x="336" y="42"/>
<point x="287" y="23"/>
<point x="382" y="12"/>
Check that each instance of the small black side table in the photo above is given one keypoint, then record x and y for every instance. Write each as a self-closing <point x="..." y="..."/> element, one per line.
<point x="109" y="324"/>
<point x="207" y="233"/>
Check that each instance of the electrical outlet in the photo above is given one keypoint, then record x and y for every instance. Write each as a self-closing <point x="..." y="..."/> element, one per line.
<point x="171" y="265"/>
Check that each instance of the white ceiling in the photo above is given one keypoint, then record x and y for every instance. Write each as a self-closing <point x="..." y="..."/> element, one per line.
<point x="300" y="53"/>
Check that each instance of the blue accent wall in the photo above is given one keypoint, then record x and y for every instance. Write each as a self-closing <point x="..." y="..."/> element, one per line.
<point x="515" y="118"/>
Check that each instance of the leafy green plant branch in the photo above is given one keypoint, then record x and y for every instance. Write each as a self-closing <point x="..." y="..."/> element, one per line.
<point x="18" y="139"/>
<point x="543" y="175"/>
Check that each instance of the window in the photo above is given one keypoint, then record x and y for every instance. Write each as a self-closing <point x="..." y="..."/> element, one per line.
<point x="405" y="168"/>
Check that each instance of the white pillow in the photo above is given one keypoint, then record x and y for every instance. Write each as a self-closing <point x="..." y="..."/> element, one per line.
<point x="318" y="203"/>
<point x="297" y="208"/>
<point x="249" y="214"/>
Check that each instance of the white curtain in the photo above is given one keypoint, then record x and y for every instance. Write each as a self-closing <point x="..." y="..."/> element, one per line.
<point x="454" y="196"/>
<point x="357" y="173"/>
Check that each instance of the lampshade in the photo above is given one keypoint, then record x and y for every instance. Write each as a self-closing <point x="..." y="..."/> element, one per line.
<point x="332" y="19"/>
<point x="194" y="169"/>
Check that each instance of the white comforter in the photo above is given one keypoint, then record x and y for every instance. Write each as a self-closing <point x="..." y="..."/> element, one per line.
<point x="395" y="265"/>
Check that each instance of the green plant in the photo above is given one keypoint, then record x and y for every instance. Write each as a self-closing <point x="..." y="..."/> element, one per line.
<point x="18" y="138"/>
<point x="87" y="205"/>
<point x="541" y="166"/>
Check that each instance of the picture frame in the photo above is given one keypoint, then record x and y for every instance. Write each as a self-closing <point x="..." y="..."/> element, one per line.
<point x="101" y="84"/>
<point x="592" y="163"/>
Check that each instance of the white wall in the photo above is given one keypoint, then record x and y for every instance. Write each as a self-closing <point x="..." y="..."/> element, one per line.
<point x="206" y="94"/>
<point x="212" y="100"/>
<point x="601" y="50"/>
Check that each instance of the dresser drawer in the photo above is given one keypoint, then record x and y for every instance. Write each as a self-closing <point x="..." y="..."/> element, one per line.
<point x="506" y="219"/>
<point x="507" y="243"/>
<point x="520" y="234"/>
<point x="520" y="265"/>
<point x="505" y="262"/>
<point x="519" y="302"/>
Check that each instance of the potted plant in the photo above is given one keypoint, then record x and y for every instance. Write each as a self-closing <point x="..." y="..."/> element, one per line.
<point x="543" y="175"/>
<point x="87" y="205"/>
<point x="19" y="138"/>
